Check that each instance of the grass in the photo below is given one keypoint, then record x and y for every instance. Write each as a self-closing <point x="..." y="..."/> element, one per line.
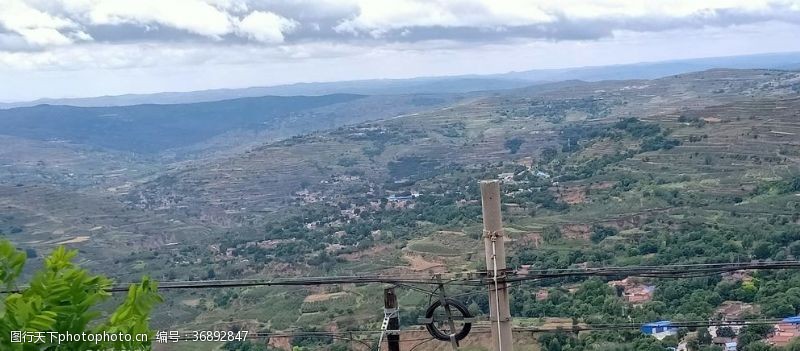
<point x="328" y="305"/>
<point x="433" y="248"/>
<point x="188" y="346"/>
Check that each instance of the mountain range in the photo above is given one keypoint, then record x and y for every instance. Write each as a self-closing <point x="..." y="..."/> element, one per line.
<point x="444" y="84"/>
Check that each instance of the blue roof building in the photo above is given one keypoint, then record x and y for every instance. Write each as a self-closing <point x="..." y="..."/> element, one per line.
<point x="659" y="327"/>
<point x="792" y="320"/>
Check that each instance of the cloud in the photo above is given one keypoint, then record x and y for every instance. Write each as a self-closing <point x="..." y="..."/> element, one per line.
<point x="470" y="20"/>
<point x="194" y="16"/>
<point x="60" y="34"/>
<point x="380" y="16"/>
<point x="44" y="23"/>
<point x="266" y="27"/>
<point x="29" y="27"/>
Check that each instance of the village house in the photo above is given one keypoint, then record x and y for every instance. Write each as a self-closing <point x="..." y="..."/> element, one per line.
<point x="735" y="310"/>
<point x="660" y="329"/>
<point x="542" y="294"/>
<point x="506" y="177"/>
<point x="726" y="343"/>
<point x="736" y="328"/>
<point x="785" y="331"/>
<point x="464" y="202"/>
<point x="743" y="276"/>
<point x="633" y="290"/>
<point x="404" y="197"/>
<point x="350" y="213"/>
<point x="513" y="208"/>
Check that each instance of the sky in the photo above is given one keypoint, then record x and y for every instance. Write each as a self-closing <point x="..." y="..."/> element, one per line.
<point x="81" y="48"/>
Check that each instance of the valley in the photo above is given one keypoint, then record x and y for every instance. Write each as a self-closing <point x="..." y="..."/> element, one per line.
<point x="698" y="167"/>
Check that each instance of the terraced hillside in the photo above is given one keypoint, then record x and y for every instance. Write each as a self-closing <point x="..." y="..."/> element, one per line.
<point x="474" y="131"/>
<point x="595" y="173"/>
<point x="699" y="167"/>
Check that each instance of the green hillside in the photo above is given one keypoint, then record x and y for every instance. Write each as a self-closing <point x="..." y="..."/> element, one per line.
<point x="695" y="168"/>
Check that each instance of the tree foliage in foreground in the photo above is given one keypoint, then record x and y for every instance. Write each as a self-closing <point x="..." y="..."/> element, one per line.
<point x="63" y="298"/>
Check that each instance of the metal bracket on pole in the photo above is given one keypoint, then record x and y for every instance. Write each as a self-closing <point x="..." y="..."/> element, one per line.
<point x="390" y="320"/>
<point x="448" y="313"/>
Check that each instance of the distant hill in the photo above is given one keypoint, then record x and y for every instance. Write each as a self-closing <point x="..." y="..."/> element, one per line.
<point x="217" y="126"/>
<point x="473" y="132"/>
<point x="152" y="128"/>
<point x="652" y="70"/>
<point x="440" y="85"/>
<point x="433" y="85"/>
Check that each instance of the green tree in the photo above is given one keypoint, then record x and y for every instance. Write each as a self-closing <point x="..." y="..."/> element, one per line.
<point x="551" y="233"/>
<point x="554" y="345"/>
<point x="726" y="332"/>
<point x="762" y="250"/>
<point x="548" y="154"/>
<point x="245" y="346"/>
<point x="703" y="337"/>
<point x="62" y="298"/>
<point x="600" y="232"/>
<point x="513" y="145"/>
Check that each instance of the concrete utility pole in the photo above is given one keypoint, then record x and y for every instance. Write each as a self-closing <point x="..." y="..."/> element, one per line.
<point x="390" y="308"/>
<point x="499" y="310"/>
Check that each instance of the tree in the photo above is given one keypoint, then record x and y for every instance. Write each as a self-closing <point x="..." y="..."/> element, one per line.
<point x="750" y="336"/>
<point x="601" y="232"/>
<point x="513" y="145"/>
<point x="762" y="250"/>
<point x="244" y="346"/>
<point x="794" y="185"/>
<point x="794" y="249"/>
<point x="551" y="233"/>
<point x="548" y="154"/>
<point x="726" y="332"/>
<point x="554" y="345"/>
<point x="703" y="337"/>
<point x="62" y="298"/>
<point x="693" y="344"/>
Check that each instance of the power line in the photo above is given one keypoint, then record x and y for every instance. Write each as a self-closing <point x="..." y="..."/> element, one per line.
<point x="665" y="271"/>
<point x="475" y="278"/>
<point x="301" y="281"/>
<point x="422" y="343"/>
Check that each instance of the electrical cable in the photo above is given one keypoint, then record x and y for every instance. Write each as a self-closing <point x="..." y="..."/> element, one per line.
<point x="665" y="271"/>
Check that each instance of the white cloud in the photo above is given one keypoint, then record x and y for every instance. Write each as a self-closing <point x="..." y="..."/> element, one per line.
<point x="195" y="16"/>
<point x="380" y="16"/>
<point x="43" y="23"/>
<point x="377" y="16"/>
<point x="266" y="27"/>
<point x="35" y="27"/>
<point x="44" y="36"/>
<point x="166" y="35"/>
<point x="119" y="69"/>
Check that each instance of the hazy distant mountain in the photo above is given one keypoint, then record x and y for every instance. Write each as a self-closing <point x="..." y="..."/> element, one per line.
<point x="433" y="85"/>
<point x="214" y="126"/>
<point x="152" y="128"/>
<point x="651" y="70"/>
<point x="454" y="84"/>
